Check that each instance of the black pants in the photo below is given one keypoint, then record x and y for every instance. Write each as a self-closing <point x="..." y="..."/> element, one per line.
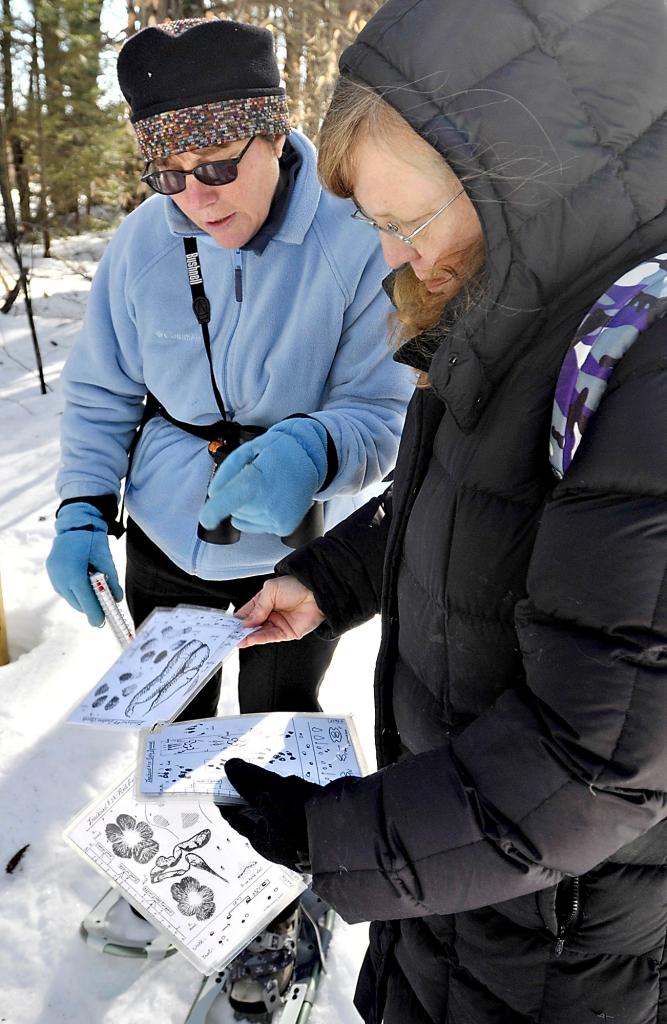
<point x="272" y="677"/>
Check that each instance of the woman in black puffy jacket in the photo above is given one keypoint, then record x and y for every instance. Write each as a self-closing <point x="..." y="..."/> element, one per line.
<point x="511" y="849"/>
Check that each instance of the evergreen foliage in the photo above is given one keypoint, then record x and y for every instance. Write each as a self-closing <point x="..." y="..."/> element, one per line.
<point x="67" y="153"/>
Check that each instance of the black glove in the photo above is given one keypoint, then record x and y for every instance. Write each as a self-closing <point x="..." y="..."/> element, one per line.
<point x="274" y="822"/>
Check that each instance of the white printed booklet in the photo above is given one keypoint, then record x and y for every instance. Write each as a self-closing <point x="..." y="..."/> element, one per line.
<point x="186" y="870"/>
<point x="188" y="758"/>
<point x="175" y="652"/>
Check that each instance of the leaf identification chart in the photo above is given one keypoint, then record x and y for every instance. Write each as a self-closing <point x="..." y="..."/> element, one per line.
<point x="187" y="871"/>
<point x="189" y="757"/>
<point x="176" y="650"/>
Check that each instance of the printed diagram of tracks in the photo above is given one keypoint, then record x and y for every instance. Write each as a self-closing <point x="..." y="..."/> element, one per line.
<point x="183" y="666"/>
<point x="179" y="759"/>
<point x="175" y="652"/>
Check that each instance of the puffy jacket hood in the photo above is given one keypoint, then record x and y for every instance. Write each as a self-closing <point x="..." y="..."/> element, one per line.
<point x="537" y="106"/>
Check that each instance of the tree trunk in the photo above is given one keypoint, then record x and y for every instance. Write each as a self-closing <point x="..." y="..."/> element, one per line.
<point x="14" y="140"/>
<point x="293" y="31"/>
<point x="14" y="238"/>
<point x="11" y="227"/>
<point x="38" y="120"/>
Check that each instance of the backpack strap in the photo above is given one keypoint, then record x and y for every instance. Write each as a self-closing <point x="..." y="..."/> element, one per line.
<point x="611" y="326"/>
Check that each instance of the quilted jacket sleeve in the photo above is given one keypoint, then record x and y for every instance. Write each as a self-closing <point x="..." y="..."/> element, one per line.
<point x="570" y="766"/>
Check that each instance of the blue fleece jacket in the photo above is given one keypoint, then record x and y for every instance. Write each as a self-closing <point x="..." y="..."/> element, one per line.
<point x="299" y="328"/>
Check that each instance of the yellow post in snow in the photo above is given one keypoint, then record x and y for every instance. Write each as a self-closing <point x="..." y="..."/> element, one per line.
<point x="4" y="649"/>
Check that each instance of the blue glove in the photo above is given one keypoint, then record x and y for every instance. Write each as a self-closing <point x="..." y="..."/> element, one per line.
<point x="267" y="484"/>
<point x="81" y="540"/>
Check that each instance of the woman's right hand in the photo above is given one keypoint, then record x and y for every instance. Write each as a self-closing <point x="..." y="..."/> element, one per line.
<point x="283" y="609"/>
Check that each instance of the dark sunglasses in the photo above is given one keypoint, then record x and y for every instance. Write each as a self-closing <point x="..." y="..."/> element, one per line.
<point x="215" y="172"/>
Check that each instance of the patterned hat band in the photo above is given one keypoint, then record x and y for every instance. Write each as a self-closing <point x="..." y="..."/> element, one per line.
<point x="211" y="124"/>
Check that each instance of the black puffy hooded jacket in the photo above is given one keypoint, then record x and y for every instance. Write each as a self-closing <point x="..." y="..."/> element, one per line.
<point x="512" y="849"/>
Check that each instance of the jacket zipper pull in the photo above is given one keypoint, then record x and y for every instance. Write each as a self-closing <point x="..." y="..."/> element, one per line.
<point x="238" y="280"/>
<point x="571" y="919"/>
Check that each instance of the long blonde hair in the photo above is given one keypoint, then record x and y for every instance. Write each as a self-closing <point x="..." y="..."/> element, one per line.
<point x="358" y="111"/>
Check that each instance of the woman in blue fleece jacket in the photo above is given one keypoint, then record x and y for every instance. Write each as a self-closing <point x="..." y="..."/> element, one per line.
<point x="296" y="347"/>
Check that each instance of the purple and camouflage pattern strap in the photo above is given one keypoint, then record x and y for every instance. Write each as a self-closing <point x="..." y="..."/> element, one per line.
<point x="607" y="331"/>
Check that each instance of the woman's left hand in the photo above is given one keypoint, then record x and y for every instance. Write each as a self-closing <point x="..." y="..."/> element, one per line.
<point x="274" y="822"/>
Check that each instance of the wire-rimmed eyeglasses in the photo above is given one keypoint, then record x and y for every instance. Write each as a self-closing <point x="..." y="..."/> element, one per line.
<point x="392" y="229"/>
<point x="214" y="172"/>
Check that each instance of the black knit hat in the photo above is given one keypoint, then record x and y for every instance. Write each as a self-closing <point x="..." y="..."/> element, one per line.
<point x="201" y="82"/>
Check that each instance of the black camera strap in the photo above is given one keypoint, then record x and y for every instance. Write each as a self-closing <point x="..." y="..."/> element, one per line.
<point x="201" y="308"/>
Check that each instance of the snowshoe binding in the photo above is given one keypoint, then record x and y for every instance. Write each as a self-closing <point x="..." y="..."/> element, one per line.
<point x="273" y="981"/>
<point x="114" y="927"/>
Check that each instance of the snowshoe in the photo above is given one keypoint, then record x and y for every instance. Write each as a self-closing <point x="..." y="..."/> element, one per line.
<point x="112" y="926"/>
<point x="273" y="981"/>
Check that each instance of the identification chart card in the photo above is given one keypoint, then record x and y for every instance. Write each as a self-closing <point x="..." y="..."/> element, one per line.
<point x="187" y="871"/>
<point x="185" y="758"/>
<point x="175" y="651"/>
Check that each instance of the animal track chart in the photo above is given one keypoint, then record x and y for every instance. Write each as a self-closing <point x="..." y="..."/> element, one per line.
<point x="175" y="652"/>
<point x="186" y="870"/>
<point x="187" y="758"/>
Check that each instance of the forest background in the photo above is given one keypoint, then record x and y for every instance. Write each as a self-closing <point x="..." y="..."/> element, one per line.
<point x="68" y="159"/>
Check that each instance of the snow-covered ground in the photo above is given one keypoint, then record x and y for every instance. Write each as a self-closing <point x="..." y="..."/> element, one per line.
<point x="49" y="770"/>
